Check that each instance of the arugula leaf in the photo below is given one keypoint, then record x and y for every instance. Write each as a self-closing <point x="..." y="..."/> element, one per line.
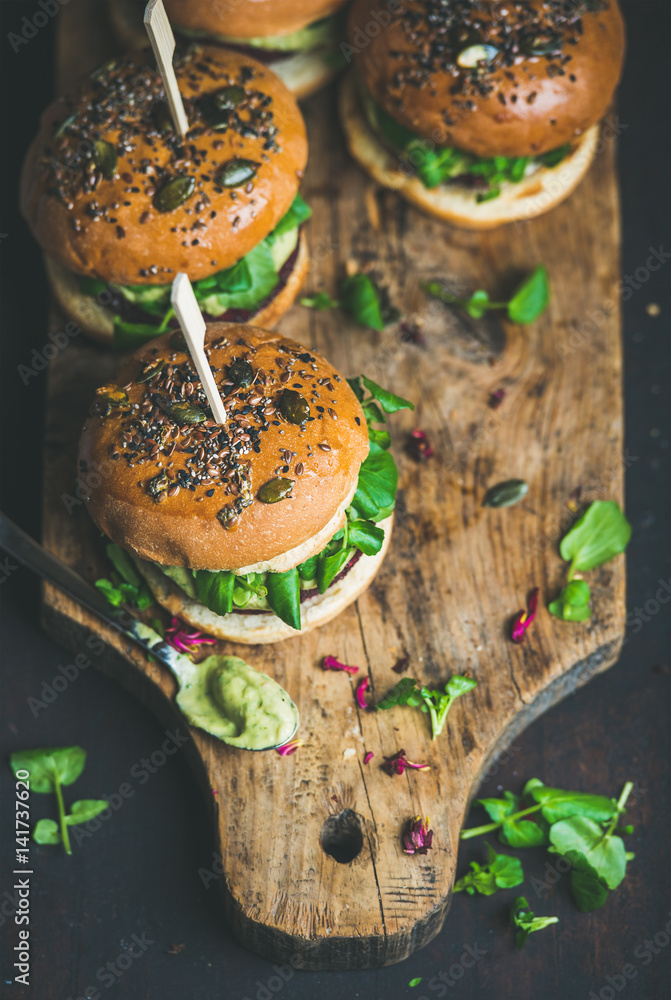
<point x="308" y="569"/>
<point x="366" y="536"/>
<point x="602" y="533"/>
<point x="514" y="830"/>
<point x="478" y="304"/>
<point x="436" y="703"/>
<point x="329" y="567"/>
<point x="298" y="213"/>
<point x="123" y="564"/>
<point x="237" y="278"/>
<point x="572" y="605"/>
<point x="525" y="306"/>
<point x="557" y="804"/>
<point x="320" y="301"/>
<point x="555" y="156"/>
<point x="360" y="297"/>
<point x="406" y="692"/>
<point x="50" y="768"/>
<point x="85" y="810"/>
<point x="284" y="596"/>
<point x="263" y="279"/>
<point x="92" y="286"/>
<point x="525" y="922"/>
<point x="215" y="590"/>
<point x="500" y="872"/>
<point x="46" y="832"/>
<point x="377" y="484"/>
<point x="590" y="849"/>
<point x="128" y="336"/>
<point x="588" y="890"/>
<point x="387" y="400"/>
<point x="531" y="298"/>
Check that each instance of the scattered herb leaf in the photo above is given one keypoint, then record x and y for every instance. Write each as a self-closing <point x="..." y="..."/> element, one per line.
<point x="49" y="769"/>
<point x="501" y="872"/>
<point x="525" y="306"/>
<point x="437" y="703"/>
<point x="525" y="923"/>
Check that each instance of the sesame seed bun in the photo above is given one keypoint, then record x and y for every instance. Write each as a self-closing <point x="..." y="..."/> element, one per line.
<point x="132" y="506"/>
<point x="264" y="628"/>
<point x="534" y="195"/>
<point x="303" y="72"/>
<point x="517" y="105"/>
<point x="117" y="230"/>
<point x="97" y="321"/>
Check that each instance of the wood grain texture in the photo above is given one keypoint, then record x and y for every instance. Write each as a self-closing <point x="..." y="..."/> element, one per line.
<point x="455" y="575"/>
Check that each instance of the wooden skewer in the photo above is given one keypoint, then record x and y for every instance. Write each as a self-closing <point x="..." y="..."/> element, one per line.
<point x="163" y="43"/>
<point x="193" y="327"/>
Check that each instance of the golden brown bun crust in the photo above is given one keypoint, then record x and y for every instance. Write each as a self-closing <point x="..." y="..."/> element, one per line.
<point x="315" y="611"/>
<point x="97" y="321"/>
<point x="534" y="195"/>
<point x="184" y="530"/>
<point x="543" y="102"/>
<point x="248" y="18"/>
<point x="216" y="226"/>
<point x="304" y="72"/>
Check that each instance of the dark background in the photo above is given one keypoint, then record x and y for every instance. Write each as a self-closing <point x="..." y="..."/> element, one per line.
<point x="139" y="873"/>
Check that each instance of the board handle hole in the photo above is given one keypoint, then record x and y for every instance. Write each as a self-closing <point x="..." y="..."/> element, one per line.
<point x="342" y="836"/>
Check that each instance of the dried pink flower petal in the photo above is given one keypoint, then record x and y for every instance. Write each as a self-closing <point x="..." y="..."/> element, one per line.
<point x="330" y="663"/>
<point x="289" y="747"/>
<point x="496" y="398"/>
<point x="179" y="637"/>
<point x="419" y="445"/>
<point x="399" y="762"/>
<point x="368" y="757"/>
<point x="360" y="694"/>
<point x="418" y="839"/>
<point x="411" y="333"/>
<point x="523" y="620"/>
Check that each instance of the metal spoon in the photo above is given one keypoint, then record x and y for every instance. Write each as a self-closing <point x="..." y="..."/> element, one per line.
<point x="186" y="672"/>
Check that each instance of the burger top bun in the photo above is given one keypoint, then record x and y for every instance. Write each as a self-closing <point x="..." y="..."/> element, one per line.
<point x="248" y="18"/>
<point x="249" y="490"/>
<point x="111" y="191"/>
<point x="548" y="75"/>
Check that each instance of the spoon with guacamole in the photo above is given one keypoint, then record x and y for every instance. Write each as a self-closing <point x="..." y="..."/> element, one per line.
<point x="228" y="698"/>
<point x="222" y="695"/>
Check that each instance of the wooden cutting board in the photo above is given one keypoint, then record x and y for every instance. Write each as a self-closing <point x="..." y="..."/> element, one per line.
<point x="455" y="575"/>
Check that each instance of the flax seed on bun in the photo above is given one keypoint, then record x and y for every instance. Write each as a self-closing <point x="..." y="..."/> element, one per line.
<point x="222" y="523"/>
<point x="514" y="80"/>
<point x="100" y="213"/>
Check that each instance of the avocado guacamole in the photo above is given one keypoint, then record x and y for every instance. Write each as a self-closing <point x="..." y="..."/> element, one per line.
<point x="238" y="704"/>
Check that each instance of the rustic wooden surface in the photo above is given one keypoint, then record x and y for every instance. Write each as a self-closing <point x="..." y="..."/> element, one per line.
<point x="456" y="573"/>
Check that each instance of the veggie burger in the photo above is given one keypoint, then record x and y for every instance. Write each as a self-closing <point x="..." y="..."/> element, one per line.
<point x="120" y="203"/>
<point x="481" y="112"/>
<point x="271" y="523"/>
<point x="298" y="39"/>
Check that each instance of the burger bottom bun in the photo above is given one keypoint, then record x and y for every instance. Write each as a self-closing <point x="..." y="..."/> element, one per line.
<point x="532" y="196"/>
<point x="266" y="627"/>
<point x="97" y="321"/>
<point x="304" y="73"/>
